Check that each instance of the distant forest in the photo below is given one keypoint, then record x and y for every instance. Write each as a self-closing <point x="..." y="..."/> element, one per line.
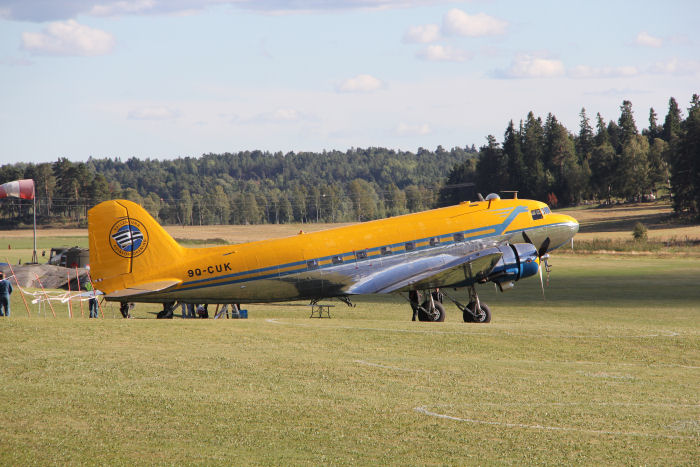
<point x="541" y="159"/>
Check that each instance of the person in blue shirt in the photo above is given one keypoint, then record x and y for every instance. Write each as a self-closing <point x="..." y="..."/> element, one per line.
<point x="5" y="291"/>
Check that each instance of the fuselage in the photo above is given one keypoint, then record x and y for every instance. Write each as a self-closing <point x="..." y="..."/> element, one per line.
<point x="331" y="262"/>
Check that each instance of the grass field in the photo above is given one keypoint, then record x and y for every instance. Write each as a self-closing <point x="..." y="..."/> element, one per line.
<point x="606" y="371"/>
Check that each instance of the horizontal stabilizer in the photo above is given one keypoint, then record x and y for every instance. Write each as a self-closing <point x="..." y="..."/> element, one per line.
<point x="144" y="288"/>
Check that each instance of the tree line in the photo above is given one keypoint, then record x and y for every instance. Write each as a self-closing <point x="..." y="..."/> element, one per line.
<point x="247" y="187"/>
<point x="539" y="158"/>
<point x="542" y="160"/>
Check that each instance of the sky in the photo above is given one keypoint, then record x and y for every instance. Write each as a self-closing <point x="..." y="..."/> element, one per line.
<point x="163" y="79"/>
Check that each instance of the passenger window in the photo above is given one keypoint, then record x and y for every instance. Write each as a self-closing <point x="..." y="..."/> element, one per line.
<point x="536" y="215"/>
<point x="312" y="264"/>
<point x="338" y="259"/>
<point x="458" y="237"/>
<point x="410" y="246"/>
<point x="434" y="241"/>
<point x="386" y="250"/>
<point x="362" y="254"/>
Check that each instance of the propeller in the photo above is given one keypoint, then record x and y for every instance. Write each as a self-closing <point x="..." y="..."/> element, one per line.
<point x="542" y="257"/>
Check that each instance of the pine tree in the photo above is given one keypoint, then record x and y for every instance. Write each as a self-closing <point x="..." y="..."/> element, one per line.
<point x="491" y="172"/>
<point x="626" y="124"/>
<point x="515" y="164"/>
<point x="533" y="145"/>
<point x="601" y="135"/>
<point x="685" y="175"/>
<point x="654" y="131"/>
<point x="602" y="165"/>
<point x="672" y="122"/>
<point x="585" y="141"/>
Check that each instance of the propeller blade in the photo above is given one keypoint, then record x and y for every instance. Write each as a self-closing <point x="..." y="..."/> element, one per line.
<point x="527" y="239"/>
<point x="543" y="248"/>
<point x="542" y="282"/>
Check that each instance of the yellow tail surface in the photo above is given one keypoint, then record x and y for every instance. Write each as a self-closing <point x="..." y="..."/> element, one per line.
<point x="128" y="247"/>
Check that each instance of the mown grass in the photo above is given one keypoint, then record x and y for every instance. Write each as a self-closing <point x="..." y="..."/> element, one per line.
<point x="200" y="241"/>
<point x="670" y="246"/>
<point x="605" y="371"/>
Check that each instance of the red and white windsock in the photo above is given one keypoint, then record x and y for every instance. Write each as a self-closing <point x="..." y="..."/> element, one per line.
<point x="19" y="189"/>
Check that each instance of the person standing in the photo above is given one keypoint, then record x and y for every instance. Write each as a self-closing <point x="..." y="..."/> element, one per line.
<point x="92" y="302"/>
<point x="5" y="291"/>
<point x="414" y="297"/>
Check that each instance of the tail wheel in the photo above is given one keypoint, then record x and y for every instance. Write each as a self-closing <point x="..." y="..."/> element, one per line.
<point x="436" y="314"/>
<point x="472" y="315"/>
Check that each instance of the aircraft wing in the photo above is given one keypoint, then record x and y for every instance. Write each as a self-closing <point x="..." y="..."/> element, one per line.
<point x="429" y="272"/>
<point x="140" y="289"/>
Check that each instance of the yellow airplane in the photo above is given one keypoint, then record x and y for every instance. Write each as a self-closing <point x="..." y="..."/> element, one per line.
<point x="133" y="259"/>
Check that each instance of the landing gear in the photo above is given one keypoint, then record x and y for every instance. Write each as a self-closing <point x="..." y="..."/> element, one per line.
<point x="433" y="310"/>
<point x="474" y="314"/>
<point x="476" y="311"/>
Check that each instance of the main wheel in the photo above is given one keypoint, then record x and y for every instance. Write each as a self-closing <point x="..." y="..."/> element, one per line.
<point x="437" y="314"/>
<point x="482" y="315"/>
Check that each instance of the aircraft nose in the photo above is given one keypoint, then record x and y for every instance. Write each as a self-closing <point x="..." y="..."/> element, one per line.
<point x="562" y="232"/>
<point x="573" y="226"/>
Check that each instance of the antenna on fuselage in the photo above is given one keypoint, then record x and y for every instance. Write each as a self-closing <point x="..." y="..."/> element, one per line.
<point x="490" y="197"/>
<point x="515" y="193"/>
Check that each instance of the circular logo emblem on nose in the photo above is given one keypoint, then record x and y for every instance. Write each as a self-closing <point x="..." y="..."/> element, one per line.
<point x="128" y="238"/>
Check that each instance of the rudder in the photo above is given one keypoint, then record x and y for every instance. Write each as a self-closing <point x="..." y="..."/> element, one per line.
<point x="128" y="246"/>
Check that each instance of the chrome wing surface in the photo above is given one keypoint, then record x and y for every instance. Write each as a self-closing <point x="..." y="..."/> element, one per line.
<point x="429" y="272"/>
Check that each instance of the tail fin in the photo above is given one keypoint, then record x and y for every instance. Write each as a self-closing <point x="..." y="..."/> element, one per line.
<point x="128" y="247"/>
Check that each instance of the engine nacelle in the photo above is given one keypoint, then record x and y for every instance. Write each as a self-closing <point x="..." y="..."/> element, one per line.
<point x="519" y="260"/>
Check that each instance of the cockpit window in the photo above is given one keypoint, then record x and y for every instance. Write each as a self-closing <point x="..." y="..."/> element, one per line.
<point x="546" y="210"/>
<point x="536" y="214"/>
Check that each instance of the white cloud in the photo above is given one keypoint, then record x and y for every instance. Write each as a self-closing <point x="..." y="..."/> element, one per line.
<point x="457" y="22"/>
<point x="647" y="40"/>
<point x="360" y="83"/>
<point x="68" y="38"/>
<point x="50" y="10"/>
<point x="153" y="113"/>
<point x="439" y="53"/>
<point x="530" y="66"/>
<point x="675" y="67"/>
<point x="283" y="115"/>
<point x="672" y="66"/>
<point x="588" y="72"/>
<point x="423" y="34"/>
<point x="122" y="7"/>
<point x="405" y="129"/>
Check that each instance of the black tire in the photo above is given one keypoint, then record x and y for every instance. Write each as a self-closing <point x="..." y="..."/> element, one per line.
<point x="467" y="316"/>
<point x="437" y="317"/>
<point x="483" y="315"/>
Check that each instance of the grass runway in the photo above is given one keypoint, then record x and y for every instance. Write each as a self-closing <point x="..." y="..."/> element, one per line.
<point x="605" y="371"/>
